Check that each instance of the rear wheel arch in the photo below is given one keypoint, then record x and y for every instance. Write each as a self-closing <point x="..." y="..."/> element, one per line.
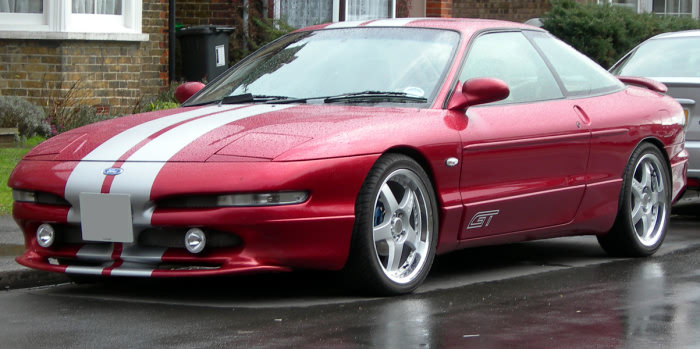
<point x="643" y="208"/>
<point x="650" y="140"/>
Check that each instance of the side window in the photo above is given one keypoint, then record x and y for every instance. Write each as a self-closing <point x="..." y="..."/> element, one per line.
<point x="579" y="74"/>
<point x="510" y="57"/>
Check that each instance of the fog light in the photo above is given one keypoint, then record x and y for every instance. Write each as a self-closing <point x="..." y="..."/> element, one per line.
<point x="45" y="235"/>
<point x="195" y="240"/>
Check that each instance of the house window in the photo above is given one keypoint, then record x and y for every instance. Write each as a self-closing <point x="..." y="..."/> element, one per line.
<point x="673" y="7"/>
<point x="633" y="4"/>
<point x="72" y="16"/>
<point x="365" y="10"/>
<point x="98" y="7"/>
<point x="19" y="6"/>
<point x="304" y="13"/>
<point x="689" y="8"/>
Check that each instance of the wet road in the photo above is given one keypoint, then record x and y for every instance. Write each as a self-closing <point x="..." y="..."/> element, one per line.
<point x="560" y="293"/>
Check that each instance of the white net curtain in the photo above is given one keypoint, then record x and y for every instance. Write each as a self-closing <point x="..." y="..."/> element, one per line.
<point x="303" y="13"/>
<point x="361" y="10"/>
<point x="99" y="7"/>
<point x="22" y="6"/>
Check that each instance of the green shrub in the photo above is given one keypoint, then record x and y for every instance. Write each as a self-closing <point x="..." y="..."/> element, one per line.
<point x="164" y="99"/>
<point x="75" y="117"/>
<point x="261" y="32"/>
<point x="606" y="32"/>
<point x="161" y="105"/>
<point x="28" y="118"/>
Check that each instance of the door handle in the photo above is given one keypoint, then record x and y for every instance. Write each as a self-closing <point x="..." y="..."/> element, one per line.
<point x="582" y="115"/>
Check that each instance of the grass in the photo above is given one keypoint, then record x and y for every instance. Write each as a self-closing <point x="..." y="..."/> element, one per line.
<point x="9" y="157"/>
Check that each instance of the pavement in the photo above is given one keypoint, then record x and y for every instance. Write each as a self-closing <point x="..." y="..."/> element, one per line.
<point x="13" y="275"/>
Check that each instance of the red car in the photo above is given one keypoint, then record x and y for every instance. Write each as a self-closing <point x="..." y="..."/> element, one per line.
<point x="367" y="147"/>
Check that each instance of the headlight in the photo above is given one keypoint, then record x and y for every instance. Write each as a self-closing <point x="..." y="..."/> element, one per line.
<point x="235" y="200"/>
<point x="23" y="195"/>
<point x="38" y="197"/>
<point x="264" y="199"/>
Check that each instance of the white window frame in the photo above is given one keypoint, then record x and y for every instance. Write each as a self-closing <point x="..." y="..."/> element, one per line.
<point x="58" y="17"/>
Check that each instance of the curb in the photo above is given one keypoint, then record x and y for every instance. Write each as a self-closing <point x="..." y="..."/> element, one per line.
<point x="26" y="278"/>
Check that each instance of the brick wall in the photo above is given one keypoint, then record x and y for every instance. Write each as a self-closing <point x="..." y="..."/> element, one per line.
<point x="438" y="8"/>
<point x="509" y="10"/>
<point x="110" y="75"/>
<point x="204" y="12"/>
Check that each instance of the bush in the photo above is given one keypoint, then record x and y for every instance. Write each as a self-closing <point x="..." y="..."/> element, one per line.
<point x="605" y="33"/>
<point x="28" y="118"/>
<point x="77" y="116"/>
<point x="261" y="32"/>
<point x="164" y="99"/>
<point x="161" y="105"/>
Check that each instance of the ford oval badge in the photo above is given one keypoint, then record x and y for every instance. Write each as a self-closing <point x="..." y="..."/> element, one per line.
<point x="112" y="171"/>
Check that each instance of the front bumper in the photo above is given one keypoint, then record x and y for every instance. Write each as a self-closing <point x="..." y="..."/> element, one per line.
<point x="313" y="235"/>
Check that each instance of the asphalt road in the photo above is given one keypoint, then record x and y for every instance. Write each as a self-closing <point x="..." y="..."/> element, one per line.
<point x="559" y="293"/>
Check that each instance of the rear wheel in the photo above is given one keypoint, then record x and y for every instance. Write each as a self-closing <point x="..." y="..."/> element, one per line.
<point x="395" y="234"/>
<point x="642" y="219"/>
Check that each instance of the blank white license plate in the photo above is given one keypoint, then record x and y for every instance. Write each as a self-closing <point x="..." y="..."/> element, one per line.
<point x="106" y="217"/>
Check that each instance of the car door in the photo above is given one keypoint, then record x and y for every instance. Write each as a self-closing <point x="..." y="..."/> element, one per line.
<point x="524" y="158"/>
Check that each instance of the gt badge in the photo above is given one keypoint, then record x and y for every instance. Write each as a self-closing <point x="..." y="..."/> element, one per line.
<point x="482" y="219"/>
<point x="112" y="171"/>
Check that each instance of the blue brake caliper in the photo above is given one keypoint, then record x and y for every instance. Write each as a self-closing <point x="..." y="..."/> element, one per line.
<point x="379" y="214"/>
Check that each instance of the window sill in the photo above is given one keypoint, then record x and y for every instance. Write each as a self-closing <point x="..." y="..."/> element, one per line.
<point x="30" y="35"/>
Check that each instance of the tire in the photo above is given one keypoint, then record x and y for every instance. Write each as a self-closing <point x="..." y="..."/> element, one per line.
<point x="396" y="225"/>
<point x="645" y="206"/>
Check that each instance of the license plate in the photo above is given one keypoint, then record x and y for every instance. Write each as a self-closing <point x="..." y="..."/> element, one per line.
<point x="106" y="217"/>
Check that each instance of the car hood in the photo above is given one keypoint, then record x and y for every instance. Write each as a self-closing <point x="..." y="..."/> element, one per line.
<point x="261" y="132"/>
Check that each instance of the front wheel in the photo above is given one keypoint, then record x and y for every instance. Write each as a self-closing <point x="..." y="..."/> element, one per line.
<point x="642" y="219"/>
<point x="395" y="233"/>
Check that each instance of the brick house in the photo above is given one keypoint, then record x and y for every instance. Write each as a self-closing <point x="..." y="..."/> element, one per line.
<point x="118" y="50"/>
<point x="116" y="54"/>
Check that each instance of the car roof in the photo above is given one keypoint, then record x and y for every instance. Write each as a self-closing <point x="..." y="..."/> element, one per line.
<point x="680" y="34"/>
<point x="466" y="25"/>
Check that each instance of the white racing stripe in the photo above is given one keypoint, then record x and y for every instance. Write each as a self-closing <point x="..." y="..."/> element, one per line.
<point x="349" y="24"/>
<point x="399" y="22"/>
<point x="142" y="168"/>
<point x="140" y="171"/>
<point x="87" y="176"/>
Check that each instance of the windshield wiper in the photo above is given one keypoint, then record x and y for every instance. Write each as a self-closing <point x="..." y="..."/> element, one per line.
<point x="247" y="97"/>
<point x="358" y="96"/>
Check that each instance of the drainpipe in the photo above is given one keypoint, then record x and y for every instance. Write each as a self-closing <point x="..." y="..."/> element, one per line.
<point x="171" y="42"/>
<point x="245" y="24"/>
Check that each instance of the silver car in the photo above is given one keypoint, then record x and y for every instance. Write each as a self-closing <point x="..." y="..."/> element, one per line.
<point x="673" y="59"/>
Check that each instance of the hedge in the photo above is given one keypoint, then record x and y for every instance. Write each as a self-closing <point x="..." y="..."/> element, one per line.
<point x="606" y="32"/>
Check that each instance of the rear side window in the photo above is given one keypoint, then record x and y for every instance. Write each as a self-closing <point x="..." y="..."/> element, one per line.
<point x="579" y="75"/>
<point x="510" y="57"/>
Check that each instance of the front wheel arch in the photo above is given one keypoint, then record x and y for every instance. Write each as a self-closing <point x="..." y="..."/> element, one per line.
<point x="368" y="268"/>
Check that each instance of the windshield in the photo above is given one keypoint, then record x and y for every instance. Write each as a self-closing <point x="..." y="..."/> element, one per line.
<point x="410" y="61"/>
<point x="675" y="57"/>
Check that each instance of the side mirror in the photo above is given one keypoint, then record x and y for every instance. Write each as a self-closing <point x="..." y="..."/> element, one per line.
<point x="187" y="90"/>
<point x="478" y="91"/>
